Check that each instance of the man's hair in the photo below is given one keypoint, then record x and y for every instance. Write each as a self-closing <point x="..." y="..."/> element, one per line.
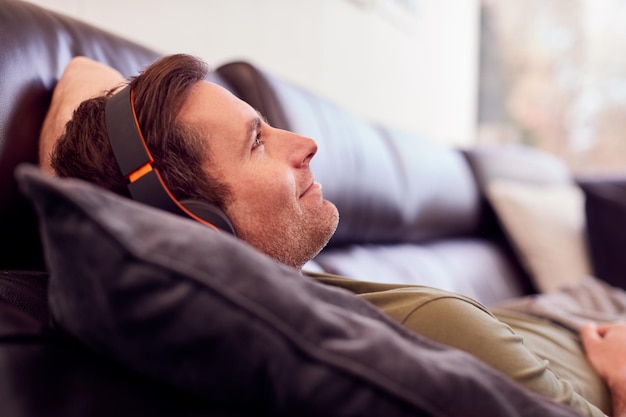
<point x="180" y="152"/>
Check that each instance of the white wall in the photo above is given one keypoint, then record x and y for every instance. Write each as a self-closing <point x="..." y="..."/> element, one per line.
<point x="417" y="74"/>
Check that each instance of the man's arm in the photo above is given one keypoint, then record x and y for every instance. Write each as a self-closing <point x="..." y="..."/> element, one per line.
<point x="458" y="321"/>
<point x="83" y="78"/>
<point x="468" y="326"/>
<point x="605" y="346"/>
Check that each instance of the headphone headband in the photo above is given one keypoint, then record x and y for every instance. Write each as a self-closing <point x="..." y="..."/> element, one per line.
<point x="135" y="163"/>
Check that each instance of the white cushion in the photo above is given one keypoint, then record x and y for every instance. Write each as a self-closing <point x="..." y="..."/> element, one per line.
<point x="546" y="224"/>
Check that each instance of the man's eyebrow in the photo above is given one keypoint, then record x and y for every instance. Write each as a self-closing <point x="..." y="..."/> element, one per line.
<point x="262" y="117"/>
<point x="255" y="123"/>
<point x="253" y="126"/>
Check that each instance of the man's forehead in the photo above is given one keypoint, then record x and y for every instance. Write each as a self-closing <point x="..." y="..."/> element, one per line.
<point x="210" y="101"/>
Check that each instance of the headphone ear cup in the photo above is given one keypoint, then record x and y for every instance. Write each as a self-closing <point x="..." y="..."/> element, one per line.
<point x="210" y="213"/>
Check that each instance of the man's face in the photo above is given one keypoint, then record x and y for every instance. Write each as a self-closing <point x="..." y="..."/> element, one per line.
<point x="275" y="205"/>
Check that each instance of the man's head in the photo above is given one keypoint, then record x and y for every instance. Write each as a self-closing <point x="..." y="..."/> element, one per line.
<point x="209" y="145"/>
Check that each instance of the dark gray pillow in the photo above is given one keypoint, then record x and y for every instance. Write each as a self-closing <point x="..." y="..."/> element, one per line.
<point x="201" y="311"/>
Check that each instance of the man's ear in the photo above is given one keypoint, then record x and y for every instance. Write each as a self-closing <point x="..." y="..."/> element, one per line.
<point x="83" y="78"/>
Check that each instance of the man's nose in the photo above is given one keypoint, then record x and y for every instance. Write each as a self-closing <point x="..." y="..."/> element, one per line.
<point x="302" y="149"/>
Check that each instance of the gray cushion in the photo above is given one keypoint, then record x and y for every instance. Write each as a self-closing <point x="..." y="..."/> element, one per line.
<point x="203" y="312"/>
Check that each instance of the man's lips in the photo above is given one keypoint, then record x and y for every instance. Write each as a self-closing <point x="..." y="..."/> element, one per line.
<point x="311" y="188"/>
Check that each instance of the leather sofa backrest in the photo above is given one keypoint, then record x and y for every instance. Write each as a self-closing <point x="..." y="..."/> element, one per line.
<point x="36" y="46"/>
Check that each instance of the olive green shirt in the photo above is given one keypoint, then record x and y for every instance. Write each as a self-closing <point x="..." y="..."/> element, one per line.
<point x="541" y="355"/>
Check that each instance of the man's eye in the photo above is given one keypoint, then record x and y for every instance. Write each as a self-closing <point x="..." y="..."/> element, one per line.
<point x="257" y="141"/>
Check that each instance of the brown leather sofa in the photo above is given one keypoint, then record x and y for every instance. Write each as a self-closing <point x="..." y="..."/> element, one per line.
<point x="411" y="211"/>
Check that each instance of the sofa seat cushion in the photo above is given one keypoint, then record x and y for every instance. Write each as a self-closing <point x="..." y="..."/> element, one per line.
<point x="45" y="373"/>
<point x="471" y="266"/>
<point x="23" y="305"/>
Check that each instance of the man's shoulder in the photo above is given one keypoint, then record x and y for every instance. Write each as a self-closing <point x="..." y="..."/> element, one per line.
<point x="403" y="300"/>
<point x="369" y="287"/>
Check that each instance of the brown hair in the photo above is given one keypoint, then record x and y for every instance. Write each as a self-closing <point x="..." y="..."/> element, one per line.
<point x="179" y="151"/>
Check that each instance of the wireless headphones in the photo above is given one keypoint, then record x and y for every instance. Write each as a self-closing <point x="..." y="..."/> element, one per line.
<point x="135" y="162"/>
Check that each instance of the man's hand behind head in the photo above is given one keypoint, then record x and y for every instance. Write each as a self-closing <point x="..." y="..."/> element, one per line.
<point x="82" y="79"/>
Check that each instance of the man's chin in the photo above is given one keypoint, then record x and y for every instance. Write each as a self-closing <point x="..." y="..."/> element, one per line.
<point x="326" y="230"/>
<point x="334" y="213"/>
<point x="294" y="244"/>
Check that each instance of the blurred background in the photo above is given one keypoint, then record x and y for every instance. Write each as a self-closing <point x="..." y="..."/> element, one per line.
<point x="553" y="75"/>
<point x="547" y="73"/>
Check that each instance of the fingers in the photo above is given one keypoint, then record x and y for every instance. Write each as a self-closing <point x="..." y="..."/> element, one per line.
<point x="603" y="329"/>
<point x="589" y="332"/>
<point x="605" y="346"/>
<point x="603" y="337"/>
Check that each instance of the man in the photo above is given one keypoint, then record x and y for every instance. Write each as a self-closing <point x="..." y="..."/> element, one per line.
<point x="210" y="145"/>
<point x="228" y="156"/>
